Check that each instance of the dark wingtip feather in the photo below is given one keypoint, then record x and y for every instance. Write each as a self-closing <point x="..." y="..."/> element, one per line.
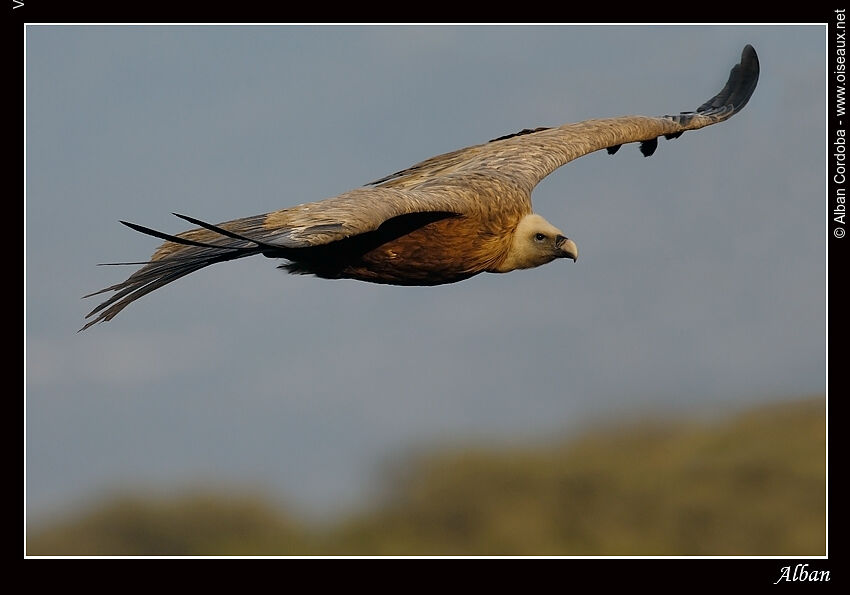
<point x="222" y="231"/>
<point x="613" y="149"/>
<point x="163" y="270"/>
<point x="742" y="81"/>
<point x="166" y="236"/>
<point x="648" y="147"/>
<point x="734" y="95"/>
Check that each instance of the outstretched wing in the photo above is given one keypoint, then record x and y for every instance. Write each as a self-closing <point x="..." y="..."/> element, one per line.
<point x="462" y="181"/>
<point x="286" y="233"/>
<point x="530" y="155"/>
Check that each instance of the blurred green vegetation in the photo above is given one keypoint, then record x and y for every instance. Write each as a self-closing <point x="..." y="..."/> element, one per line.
<point x="753" y="484"/>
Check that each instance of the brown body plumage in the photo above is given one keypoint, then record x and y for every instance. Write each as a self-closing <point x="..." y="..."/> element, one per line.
<point x="443" y="220"/>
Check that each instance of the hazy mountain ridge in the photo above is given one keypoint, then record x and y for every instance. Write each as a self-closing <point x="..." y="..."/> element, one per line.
<point x="750" y="484"/>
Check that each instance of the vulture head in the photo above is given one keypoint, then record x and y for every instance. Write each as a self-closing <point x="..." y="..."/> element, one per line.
<point x="536" y="242"/>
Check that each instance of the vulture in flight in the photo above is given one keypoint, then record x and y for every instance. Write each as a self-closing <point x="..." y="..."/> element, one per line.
<point x="440" y="221"/>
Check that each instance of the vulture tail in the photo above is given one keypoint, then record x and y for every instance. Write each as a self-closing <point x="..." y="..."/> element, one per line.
<point x="180" y="255"/>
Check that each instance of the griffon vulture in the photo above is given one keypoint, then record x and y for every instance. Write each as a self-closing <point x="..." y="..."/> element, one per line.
<point x="442" y="220"/>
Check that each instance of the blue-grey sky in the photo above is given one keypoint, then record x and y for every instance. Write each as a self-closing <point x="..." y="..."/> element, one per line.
<point x="700" y="287"/>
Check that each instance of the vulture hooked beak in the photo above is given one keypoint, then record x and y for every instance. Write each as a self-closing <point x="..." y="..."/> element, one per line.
<point x="568" y="248"/>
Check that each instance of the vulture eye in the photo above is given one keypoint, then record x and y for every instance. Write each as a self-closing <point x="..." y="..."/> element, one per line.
<point x="539" y="237"/>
